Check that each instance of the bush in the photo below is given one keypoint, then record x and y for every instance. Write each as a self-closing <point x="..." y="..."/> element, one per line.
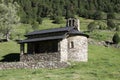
<point x="27" y="30"/>
<point x="91" y="14"/>
<point x="16" y="36"/>
<point x="39" y="19"/>
<point x="113" y="16"/>
<point x="118" y="28"/>
<point x="83" y="13"/>
<point x="58" y="20"/>
<point x="52" y="17"/>
<point x="116" y="38"/>
<point x="102" y="25"/>
<point x="100" y="15"/>
<point x="92" y="26"/>
<point x="35" y="25"/>
<point x="110" y="16"/>
<point x="111" y="24"/>
<point x="97" y="25"/>
<point x="98" y="36"/>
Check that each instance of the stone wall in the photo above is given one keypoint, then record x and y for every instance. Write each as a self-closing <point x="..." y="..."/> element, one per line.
<point x="40" y="57"/>
<point x="33" y="65"/>
<point x="63" y="50"/>
<point x="79" y="50"/>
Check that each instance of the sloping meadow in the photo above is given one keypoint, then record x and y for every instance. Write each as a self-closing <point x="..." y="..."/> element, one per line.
<point x="103" y="63"/>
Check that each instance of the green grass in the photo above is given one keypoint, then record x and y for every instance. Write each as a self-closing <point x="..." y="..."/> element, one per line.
<point x="8" y="48"/>
<point x="22" y="29"/>
<point x="103" y="64"/>
<point x="47" y="24"/>
<point x="84" y="23"/>
<point x="103" y="35"/>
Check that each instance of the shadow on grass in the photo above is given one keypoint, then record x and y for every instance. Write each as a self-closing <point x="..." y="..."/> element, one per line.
<point x="12" y="57"/>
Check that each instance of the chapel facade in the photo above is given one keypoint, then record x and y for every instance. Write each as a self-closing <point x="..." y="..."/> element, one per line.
<point x="59" y="44"/>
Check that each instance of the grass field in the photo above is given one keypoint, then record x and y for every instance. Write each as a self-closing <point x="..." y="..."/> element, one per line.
<point x="8" y="48"/>
<point x="103" y="64"/>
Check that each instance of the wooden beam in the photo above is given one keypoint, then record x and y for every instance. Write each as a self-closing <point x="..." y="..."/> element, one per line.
<point x="22" y="49"/>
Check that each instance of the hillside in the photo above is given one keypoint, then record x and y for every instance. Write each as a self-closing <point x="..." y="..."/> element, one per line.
<point x="103" y="61"/>
<point x="100" y="19"/>
<point x="35" y="10"/>
<point x="103" y="64"/>
<point x="101" y="35"/>
<point x="21" y="29"/>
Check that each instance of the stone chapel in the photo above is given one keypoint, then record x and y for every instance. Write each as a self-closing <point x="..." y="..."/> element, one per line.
<point x="59" y="44"/>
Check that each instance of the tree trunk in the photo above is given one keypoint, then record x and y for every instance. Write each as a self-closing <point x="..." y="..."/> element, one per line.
<point x="8" y="37"/>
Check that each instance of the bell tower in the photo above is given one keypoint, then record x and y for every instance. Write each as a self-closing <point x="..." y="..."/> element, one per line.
<point x="73" y="22"/>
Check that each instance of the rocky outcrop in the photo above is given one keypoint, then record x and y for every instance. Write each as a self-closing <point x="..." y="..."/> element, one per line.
<point x="94" y="42"/>
<point x="103" y="43"/>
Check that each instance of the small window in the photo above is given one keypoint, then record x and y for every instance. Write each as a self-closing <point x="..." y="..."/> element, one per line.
<point x="73" y="24"/>
<point x="70" y="23"/>
<point x="71" y="45"/>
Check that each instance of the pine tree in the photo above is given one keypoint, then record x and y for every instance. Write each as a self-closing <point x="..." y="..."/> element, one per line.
<point x="30" y="9"/>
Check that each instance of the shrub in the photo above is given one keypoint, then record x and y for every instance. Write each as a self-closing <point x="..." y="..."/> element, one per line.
<point x="97" y="25"/>
<point x="100" y="15"/>
<point x="83" y="13"/>
<point x="111" y="24"/>
<point x="35" y="25"/>
<point x="116" y="38"/>
<point x="110" y="16"/>
<point x="52" y="17"/>
<point x="91" y="14"/>
<point x="16" y="35"/>
<point x="118" y="28"/>
<point x="102" y="25"/>
<point x="27" y="30"/>
<point x="98" y="36"/>
<point x="39" y="19"/>
<point x="92" y="26"/>
<point x="113" y="16"/>
<point x="58" y="20"/>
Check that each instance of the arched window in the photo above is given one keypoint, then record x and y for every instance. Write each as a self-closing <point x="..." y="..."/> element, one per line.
<point x="71" y="44"/>
<point x="71" y="23"/>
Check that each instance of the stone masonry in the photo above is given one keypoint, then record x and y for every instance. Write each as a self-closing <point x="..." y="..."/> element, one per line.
<point x="40" y="57"/>
<point x="79" y="51"/>
<point x="33" y="65"/>
<point x="64" y="50"/>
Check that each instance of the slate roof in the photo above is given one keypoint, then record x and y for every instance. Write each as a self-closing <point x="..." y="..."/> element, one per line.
<point x="43" y="39"/>
<point x="66" y="31"/>
<point x="76" y="32"/>
<point x="63" y="29"/>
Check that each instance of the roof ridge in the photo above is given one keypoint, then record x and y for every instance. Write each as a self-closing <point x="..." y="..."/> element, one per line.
<point x="50" y="30"/>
